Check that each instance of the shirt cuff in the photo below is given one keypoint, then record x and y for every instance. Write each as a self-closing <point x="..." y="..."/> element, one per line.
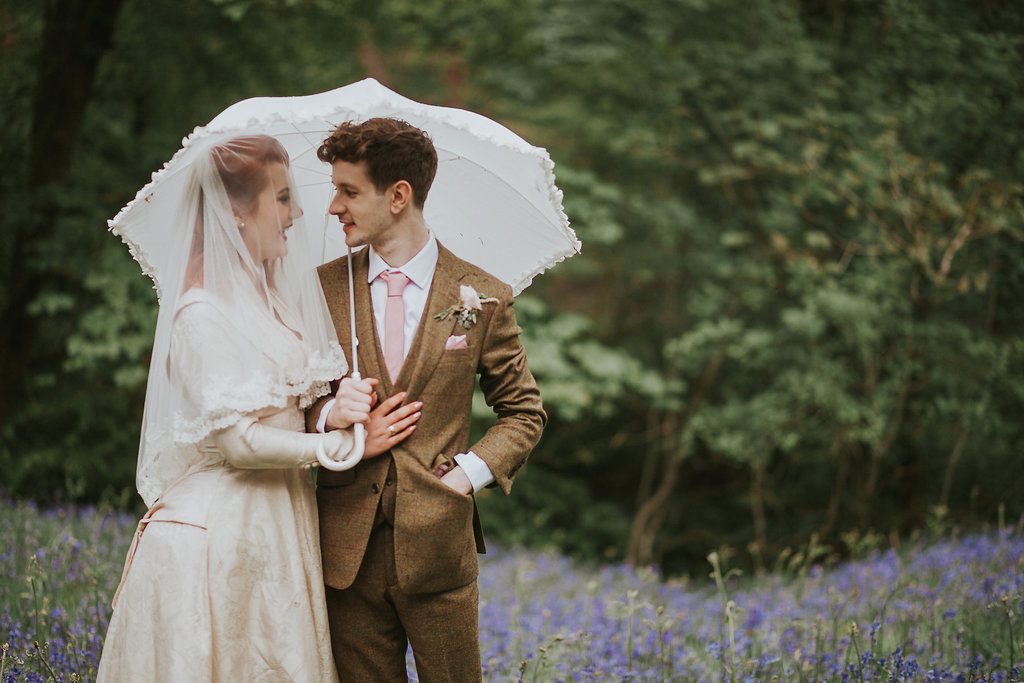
<point x="476" y="469"/>
<point x="321" y="424"/>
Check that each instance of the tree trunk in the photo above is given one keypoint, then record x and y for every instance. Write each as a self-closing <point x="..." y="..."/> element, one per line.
<point x="880" y="452"/>
<point x="75" y="36"/>
<point x="656" y="426"/>
<point x="652" y="512"/>
<point x="832" y="513"/>
<point x="954" y="458"/>
<point x="372" y="59"/>
<point x="758" y="479"/>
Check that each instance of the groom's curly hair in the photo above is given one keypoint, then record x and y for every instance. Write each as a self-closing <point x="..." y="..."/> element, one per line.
<point x="392" y="149"/>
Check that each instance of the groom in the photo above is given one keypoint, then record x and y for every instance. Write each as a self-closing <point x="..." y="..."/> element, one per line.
<point x="399" y="533"/>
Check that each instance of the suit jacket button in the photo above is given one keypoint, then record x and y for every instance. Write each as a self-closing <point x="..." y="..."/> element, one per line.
<point x="375" y="487"/>
<point x="388" y="482"/>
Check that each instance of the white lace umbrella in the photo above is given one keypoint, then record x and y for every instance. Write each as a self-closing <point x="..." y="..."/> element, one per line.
<point x="494" y="201"/>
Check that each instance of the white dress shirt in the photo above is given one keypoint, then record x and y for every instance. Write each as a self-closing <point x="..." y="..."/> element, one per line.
<point x="420" y="271"/>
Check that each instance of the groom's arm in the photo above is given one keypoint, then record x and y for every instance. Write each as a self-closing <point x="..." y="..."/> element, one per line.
<point x="511" y="391"/>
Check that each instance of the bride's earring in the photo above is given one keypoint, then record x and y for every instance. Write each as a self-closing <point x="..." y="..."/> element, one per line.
<point x="241" y="225"/>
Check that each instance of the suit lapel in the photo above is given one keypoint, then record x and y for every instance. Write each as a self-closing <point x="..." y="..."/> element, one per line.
<point x="371" y="358"/>
<point x="428" y="345"/>
<point x="335" y="284"/>
<point x="333" y="280"/>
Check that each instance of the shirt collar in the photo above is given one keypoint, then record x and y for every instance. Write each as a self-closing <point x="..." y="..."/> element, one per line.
<point x="419" y="269"/>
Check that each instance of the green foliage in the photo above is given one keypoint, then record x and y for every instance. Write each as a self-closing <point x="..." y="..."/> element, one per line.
<point x="797" y="310"/>
<point x="551" y="511"/>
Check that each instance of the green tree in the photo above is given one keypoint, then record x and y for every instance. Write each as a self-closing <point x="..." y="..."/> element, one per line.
<point x="797" y="311"/>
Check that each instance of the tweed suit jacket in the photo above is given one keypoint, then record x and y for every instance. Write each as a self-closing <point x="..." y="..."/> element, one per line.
<point x="437" y="532"/>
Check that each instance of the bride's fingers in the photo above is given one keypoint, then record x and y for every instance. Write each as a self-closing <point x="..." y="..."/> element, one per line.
<point x="390" y="404"/>
<point x="405" y="411"/>
<point x="356" y="417"/>
<point x="400" y="425"/>
<point x="399" y="436"/>
<point x="352" y="387"/>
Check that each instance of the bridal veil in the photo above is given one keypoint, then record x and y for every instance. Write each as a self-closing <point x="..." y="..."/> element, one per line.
<point x="237" y="246"/>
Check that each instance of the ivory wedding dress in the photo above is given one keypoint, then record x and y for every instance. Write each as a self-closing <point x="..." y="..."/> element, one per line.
<point x="223" y="580"/>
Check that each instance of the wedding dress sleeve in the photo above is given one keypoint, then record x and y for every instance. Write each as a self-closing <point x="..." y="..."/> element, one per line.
<point x="251" y="445"/>
<point x="218" y="377"/>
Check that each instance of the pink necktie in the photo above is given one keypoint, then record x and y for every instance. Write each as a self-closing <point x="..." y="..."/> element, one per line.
<point x="394" y="323"/>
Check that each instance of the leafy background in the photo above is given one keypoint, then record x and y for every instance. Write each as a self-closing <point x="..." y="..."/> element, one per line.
<point x="798" y="310"/>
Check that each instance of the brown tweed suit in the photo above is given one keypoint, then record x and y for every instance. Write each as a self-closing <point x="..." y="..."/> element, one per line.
<point x="424" y="556"/>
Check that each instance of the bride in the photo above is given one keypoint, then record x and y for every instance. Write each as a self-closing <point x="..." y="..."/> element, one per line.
<point x="223" y="579"/>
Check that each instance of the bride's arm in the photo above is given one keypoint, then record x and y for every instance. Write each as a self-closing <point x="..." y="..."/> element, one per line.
<point x="205" y="356"/>
<point x="251" y="445"/>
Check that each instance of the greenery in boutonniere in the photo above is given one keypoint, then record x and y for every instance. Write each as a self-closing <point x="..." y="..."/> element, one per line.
<point x="465" y="310"/>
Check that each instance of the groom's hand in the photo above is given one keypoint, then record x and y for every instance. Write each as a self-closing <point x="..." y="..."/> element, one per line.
<point x="351" y="403"/>
<point x="390" y="424"/>
<point x="457" y="480"/>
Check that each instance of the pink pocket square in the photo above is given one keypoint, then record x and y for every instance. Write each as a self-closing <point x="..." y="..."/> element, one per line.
<point x="456" y="341"/>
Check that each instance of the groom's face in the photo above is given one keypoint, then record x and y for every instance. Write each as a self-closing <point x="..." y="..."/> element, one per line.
<point x="364" y="212"/>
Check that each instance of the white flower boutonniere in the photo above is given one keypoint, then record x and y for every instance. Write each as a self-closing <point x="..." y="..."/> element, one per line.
<point x="465" y="310"/>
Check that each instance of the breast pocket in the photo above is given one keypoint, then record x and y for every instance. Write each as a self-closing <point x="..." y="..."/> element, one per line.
<point x="456" y="356"/>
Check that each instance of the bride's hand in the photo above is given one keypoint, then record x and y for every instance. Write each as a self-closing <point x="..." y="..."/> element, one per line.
<point x="390" y="424"/>
<point x="352" y="403"/>
<point x="335" y="445"/>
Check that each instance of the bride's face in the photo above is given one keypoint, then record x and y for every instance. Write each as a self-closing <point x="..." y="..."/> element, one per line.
<point x="266" y="229"/>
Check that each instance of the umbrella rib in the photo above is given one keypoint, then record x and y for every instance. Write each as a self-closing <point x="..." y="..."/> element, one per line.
<point x="311" y="144"/>
<point x="568" y="239"/>
<point x="304" y="152"/>
<point x="307" y="169"/>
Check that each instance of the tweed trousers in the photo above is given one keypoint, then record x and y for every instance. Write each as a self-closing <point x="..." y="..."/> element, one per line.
<point x="373" y="621"/>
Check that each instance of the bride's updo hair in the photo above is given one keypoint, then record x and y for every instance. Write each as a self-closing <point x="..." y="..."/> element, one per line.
<point x="242" y="162"/>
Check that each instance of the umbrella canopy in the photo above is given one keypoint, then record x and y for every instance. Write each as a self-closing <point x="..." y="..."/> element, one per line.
<point x="494" y="201"/>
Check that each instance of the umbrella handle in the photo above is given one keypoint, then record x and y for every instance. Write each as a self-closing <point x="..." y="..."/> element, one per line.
<point x="354" y="456"/>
